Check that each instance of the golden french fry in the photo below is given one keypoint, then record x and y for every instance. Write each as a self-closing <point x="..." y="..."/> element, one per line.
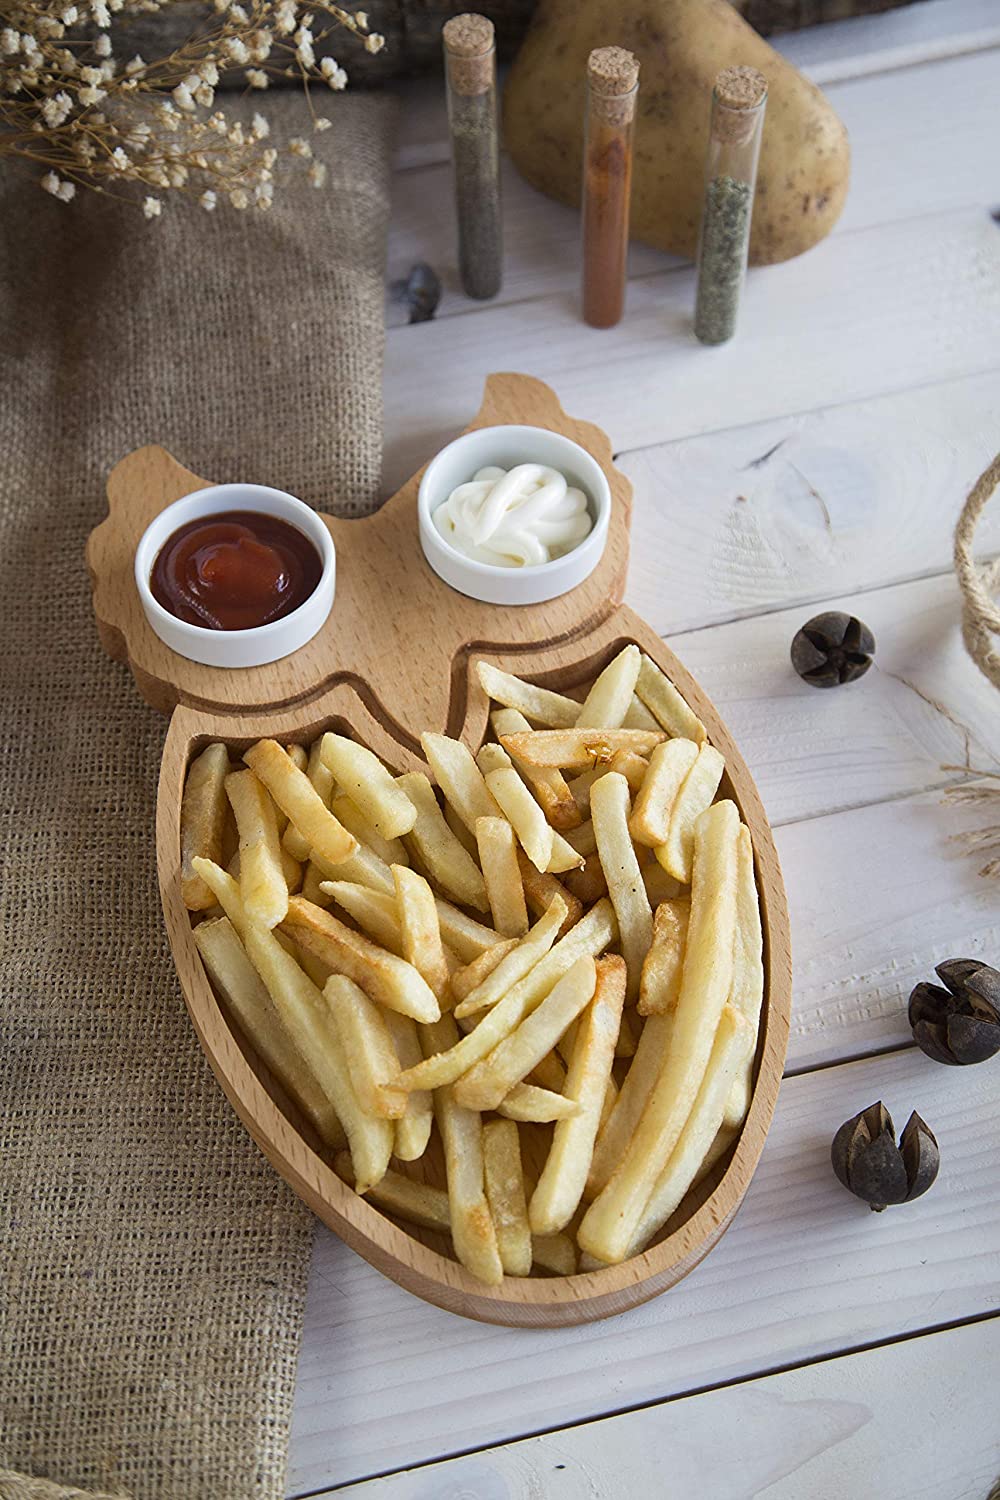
<point x="318" y="971"/>
<point x="291" y="871"/>
<point x="367" y="1047"/>
<point x="498" y="858"/>
<point x="369" y="785"/>
<point x="311" y="888"/>
<point x="491" y="757"/>
<point x="548" y="784"/>
<point x="347" y="811"/>
<point x="489" y="1080"/>
<point x="203" y="817"/>
<point x="301" y="1007"/>
<point x="292" y="840"/>
<point x="666" y="704"/>
<point x="609" y="804"/>
<point x="533" y="1105"/>
<point x="535" y="703"/>
<point x="628" y="1035"/>
<point x="416" y="1202"/>
<point x="580" y="787"/>
<point x="420" y="929"/>
<point x="448" y="863"/>
<point x="469" y="978"/>
<point x="243" y="990"/>
<point x="610" y="1100"/>
<point x="549" y="1074"/>
<point x="224" y="889"/>
<point x="300" y="802"/>
<point x="664" y="963"/>
<point x="459" y="778"/>
<point x="465" y="837"/>
<point x="413" y="1129"/>
<point x="659" y="885"/>
<point x="560" y="1187"/>
<point x="464" y="935"/>
<point x="472" y="1229"/>
<point x="639" y="716"/>
<point x="747" y="995"/>
<point x="617" y="1130"/>
<point x="564" y="857"/>
<point x="299" y="755"/>
<point x="633" y="767"/>
<point x="554" y="1252"/>
<point x="363" y="867"/>
<point x="583" y="839"/>
<point x="591" y="935"/>
<point x="611" y="1222"/>
<point x="578" y="749"/>
<point x="375" y="912"/>
<point x="697" y="790"/>
<point x="515" y="964"/>
<point x="541" y="889"/>
<point x="727" y="1134"/>
<point x="669" y="764"/>
<point x="263" y="886"/>
<point x="521" y="810"/>
<point x="505" y="1194"/>
<point x="388" y="979"/>
<point x="610" y="698"/>
<point x="587" y="885"/>
<point x="730" y="1050"/>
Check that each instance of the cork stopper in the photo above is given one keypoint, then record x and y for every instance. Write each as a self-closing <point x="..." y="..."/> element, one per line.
<point x="613" y="76"/>
<point x="469" y="48"/>
<point x="739" y="95"/>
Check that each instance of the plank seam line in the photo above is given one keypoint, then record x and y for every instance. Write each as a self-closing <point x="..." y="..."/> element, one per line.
<point x="703" y="1390"/>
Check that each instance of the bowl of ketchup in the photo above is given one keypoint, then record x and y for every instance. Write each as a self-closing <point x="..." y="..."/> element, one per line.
<point x="236" y="575"/>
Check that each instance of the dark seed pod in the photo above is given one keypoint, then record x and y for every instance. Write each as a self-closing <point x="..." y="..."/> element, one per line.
<point x="832" y="648"/>
<point x="958" y="1025"/>
<point x="870" y="1165"/>
<point x="420" y="291"/>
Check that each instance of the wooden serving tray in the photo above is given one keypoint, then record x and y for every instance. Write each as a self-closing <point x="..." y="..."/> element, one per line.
<point x="396" y="657"/>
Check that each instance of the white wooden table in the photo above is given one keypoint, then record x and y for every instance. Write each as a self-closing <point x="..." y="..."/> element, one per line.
<point x="818" y="462"/>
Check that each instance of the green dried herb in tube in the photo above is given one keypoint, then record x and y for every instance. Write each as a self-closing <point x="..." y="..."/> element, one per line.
<point x="470" y="69"/>
<point x="738" y="101"/>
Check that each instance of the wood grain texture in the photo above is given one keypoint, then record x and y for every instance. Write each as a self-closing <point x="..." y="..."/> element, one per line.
<point x="382" y="676"/>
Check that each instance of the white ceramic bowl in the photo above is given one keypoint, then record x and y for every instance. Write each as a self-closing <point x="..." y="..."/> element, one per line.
<point x="237" y="648"/>
<point x="505" y="447"/>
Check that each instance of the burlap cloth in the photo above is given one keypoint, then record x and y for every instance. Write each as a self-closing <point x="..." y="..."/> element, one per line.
<point x="152" y="1265"/>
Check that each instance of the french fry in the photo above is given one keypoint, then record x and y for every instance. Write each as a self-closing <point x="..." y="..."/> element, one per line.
<point x="610" y="1100"/>
<point x="413" y="1129"/>
<point x="724" y="1139"/>
<point x="523" y="813"/>
<point x="263" y="885"/>
<point x="580" y="787"/>
<point x="318" y="971"/>
<point x="416" y="1202"/>
<point x="628" y="1035"/>
<point x="462" y="934"/>
<point x="548" y="785"/>
<point x="583" y="839"/>
<point x="490" y="1079"/>
<point x="531" y="1104"/>
<point x="472" y="1230"/>
<point x="347" y="811"/>
<point x="669" y="764"/>
<point x="541" y="888"/>
<point x="578" y="749"/>
<point x="224" y="889"/>
<point x="617" y="1130"/>
<point x="388" y="979"/>
<point x="639" y="716"/>
<point x="633" y="767"/>
<point x="591" y="935"/>
<point x="448" y="863"/>
<point x="515" y="964"/>
<point x="504" y="1181"/>
<point x="587" y="885"/>
<point x="730" y="1050"/>
<point x="611" y="1222"/>
<point x="291" y="870"/>
<point x="311" y="888"/>
<point x="536" y="703"/>
<point x="363" y="867"/>
<point x="375" y="913"/>
<point x="610" y="698"/>
<point x="659" y="885"/>
<point x="466" y="838"/>
<point x="300" y="802"/>
<point x="301" y="1007"/>
<point x="298" y="755"/>
<point x="310" y="762"/>
<point x="560" y="1187"/>
<point x="666" y="704"/>
<point x="498" y="858"/>
<point x="747" y="995"/>
<point x="609" y="804"/>
<point x="243" y="990"/>
<point x="369" y="785"/>
<point x="203" y="817"/>
<point x="664" y="963"/>
<point x="469" y="978"/>
<point x="367" y="1047"/>
<point x="492" y="757"/>
<point x="319" y="772"/>
<point x="459" y="778"/>
<point x="549" y="1074"/>
<point x="420" y="929"/>
<point x="555" y="1253"/>
<point x="697" y="790"/>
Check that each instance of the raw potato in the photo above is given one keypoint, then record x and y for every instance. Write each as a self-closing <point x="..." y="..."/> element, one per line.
<point x="681" y="45"/>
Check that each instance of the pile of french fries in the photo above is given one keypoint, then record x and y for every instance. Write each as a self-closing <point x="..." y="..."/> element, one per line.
<point x="546" y="972"/>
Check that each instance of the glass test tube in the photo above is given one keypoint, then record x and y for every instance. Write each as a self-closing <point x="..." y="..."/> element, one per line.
<point x="470" y="69"/>
<point x="612" y="87"/>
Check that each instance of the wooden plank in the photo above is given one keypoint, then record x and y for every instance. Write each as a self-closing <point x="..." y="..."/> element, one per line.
<point x="385" y="1381"/>
<point x="923" y="296"/>
<point x="846" y="1426"/>
<point x="890" y="127"/>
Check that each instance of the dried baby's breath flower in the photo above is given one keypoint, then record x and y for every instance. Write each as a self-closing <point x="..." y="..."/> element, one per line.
<point x="208" y="200"/>
<point x="260" y="127"/>
<point x="152" y="207"/>
<point x="321" y="123"/>
<point x="298" y="147"/>
<point x="317" y="173"/>
<point x="256" y="78"/>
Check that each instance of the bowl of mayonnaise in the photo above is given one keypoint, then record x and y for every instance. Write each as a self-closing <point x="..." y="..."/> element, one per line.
<point x="513" y="515"/>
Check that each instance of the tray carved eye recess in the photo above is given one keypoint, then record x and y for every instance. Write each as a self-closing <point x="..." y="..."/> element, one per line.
<point x="384" y="672"/>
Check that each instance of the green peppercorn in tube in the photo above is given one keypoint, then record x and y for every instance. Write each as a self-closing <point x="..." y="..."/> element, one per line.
<point x="470" y="70"/>
<point x="738" y="101"/>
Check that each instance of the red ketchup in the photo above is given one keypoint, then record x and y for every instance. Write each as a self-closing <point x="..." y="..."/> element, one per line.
<point x="235" y="570"/>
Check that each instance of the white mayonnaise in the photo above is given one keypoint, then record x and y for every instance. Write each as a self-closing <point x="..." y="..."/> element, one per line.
<point x="514" y="518"/>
